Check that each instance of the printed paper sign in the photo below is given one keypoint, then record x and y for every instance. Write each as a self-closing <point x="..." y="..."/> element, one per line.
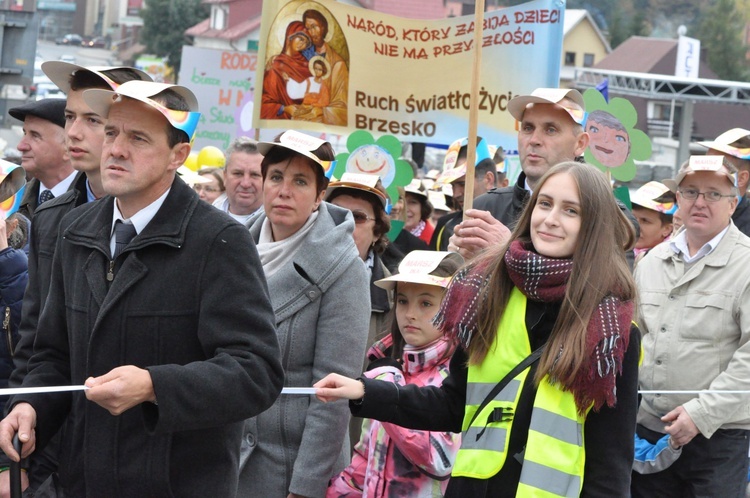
<point x="222" y="81"/>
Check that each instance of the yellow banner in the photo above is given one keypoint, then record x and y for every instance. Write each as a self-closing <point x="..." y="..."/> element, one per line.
<point x="329" y="67"/>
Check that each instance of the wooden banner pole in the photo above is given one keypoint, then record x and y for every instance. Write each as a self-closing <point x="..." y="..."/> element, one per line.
<point x="476" y="68"/>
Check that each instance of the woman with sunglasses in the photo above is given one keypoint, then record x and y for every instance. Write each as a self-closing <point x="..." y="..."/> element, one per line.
<point x="318" y="285"/>
<point x="365" y="197"/>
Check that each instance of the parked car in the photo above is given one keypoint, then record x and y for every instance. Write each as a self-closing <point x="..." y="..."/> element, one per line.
<point x="95" y="42"/>
<point x="48" y="91"/>
<point x="39" y="78"/>
<point x="70" y="39"/>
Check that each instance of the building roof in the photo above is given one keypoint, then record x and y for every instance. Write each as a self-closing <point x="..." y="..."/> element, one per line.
<point x="573" y="17"/>
<point x="412" y="9"/>
<point x="204" y="30"/>
<point x="640" y="54"/>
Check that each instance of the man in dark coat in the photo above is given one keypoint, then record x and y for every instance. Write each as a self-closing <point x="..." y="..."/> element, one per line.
<point x="44" y="154"/>
<point x="170" y="326"/>
<point x="550" y="132"/>
<point x="85" y="134"/>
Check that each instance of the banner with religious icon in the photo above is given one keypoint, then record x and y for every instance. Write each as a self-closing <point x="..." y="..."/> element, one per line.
<point x="327" y="66"/>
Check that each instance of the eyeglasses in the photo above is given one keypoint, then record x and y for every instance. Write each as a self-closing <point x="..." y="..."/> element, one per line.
<point x="205" y="188"/>
<point x="692" y="194"/>
<point x="360" y="217"/>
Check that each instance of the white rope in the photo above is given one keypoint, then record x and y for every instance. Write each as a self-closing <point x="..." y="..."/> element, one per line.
<point x="702" y="391"/>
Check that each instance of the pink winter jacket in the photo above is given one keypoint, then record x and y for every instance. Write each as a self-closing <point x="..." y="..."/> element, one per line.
<point x="390" y="461"/>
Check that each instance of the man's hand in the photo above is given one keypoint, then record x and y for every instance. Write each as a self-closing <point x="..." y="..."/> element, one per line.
<point x="21" y="420"/>
<point x="680" y="426"/>
<point x="479" y="231"/>
<point x="5" y="483"/>
<point x="121" y="389"/>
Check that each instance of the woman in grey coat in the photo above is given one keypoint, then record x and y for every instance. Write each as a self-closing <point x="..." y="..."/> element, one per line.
<point x="320" y="294"/>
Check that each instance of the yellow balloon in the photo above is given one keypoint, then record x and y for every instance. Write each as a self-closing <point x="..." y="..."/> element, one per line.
<point x="192" y="161"/>
<point x="211" y="157"/>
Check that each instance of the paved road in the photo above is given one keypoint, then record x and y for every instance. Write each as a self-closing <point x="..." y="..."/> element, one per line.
<point x="10" y="132"/>
<point x="83" y="56"/>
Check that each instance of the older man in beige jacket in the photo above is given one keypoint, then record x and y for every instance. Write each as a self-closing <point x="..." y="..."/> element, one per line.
<point x="695" y="318"/>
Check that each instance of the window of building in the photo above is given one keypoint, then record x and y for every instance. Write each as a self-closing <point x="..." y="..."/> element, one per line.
<point x="588" y="60"/>
<point x="219" y="15"/>
<point x="570" y="58"/>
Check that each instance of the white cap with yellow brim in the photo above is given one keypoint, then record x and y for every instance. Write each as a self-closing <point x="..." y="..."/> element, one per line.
<point x="437" y="200"/>
<point x="518" y="104"/>
<point x="60" y="72"/>
<point x="451" y="170"/>
<point x="191" y="177"/>
<point x="701" y="163"/>
<point x="358" y="181"/>
<point x="416" y="187"/>
<point x="647" y="196"/>
<point x="734" y="142"/>
<point x="100" y="102"/>
<point x="416" y="267"/>
<point x="301" y="144"/>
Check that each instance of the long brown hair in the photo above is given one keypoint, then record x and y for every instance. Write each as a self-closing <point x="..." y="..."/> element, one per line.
<point x="599" y="269"/>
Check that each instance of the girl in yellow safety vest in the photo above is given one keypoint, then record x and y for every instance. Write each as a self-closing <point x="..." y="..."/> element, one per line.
<point x="543" y="383"/>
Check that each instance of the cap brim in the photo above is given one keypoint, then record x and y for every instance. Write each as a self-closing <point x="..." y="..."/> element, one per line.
<point x="60" y="72"/>
<point x="671" y="184"/>
<point x="726" y="149"/>
<point x="517" y="105"/>
<point x="674" y="184"/>
<point x="356" y="186"/>
<point x="328" y="166"/>
<point x="100" y="101"/>
<point x="389" y="283"/>
<point x="14" y="181"/>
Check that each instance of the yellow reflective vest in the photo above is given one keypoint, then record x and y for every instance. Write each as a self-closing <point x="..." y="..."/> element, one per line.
<point x="554" y="458"/>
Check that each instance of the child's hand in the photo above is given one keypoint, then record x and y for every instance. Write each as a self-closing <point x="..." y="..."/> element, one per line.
<point x="334" y="386"/>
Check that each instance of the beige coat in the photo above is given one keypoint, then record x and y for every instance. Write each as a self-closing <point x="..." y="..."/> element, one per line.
<point x="696" y="326"/>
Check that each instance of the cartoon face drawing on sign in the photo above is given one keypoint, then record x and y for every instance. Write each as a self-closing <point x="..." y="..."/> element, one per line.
<point x="372" y="160"/>
<point x="610" y="141"/>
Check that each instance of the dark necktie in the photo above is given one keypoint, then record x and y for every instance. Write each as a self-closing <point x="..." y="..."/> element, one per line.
<point x="45" y="196"/>
<point x="124" y="233"/>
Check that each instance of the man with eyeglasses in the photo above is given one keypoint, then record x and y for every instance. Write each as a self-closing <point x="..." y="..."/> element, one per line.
<point x="694" y="294"/>
<point x="242" y="180"/>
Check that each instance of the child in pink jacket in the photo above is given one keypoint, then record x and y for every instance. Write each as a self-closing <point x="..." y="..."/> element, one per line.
<point x="390" y="461"/>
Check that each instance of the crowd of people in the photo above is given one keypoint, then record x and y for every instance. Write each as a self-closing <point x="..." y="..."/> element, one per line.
<point x="494" y="351"/>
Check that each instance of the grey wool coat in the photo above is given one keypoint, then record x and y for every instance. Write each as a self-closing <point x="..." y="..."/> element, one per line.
<point x="187" y="302"/>
<point x="322" y="306"/>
